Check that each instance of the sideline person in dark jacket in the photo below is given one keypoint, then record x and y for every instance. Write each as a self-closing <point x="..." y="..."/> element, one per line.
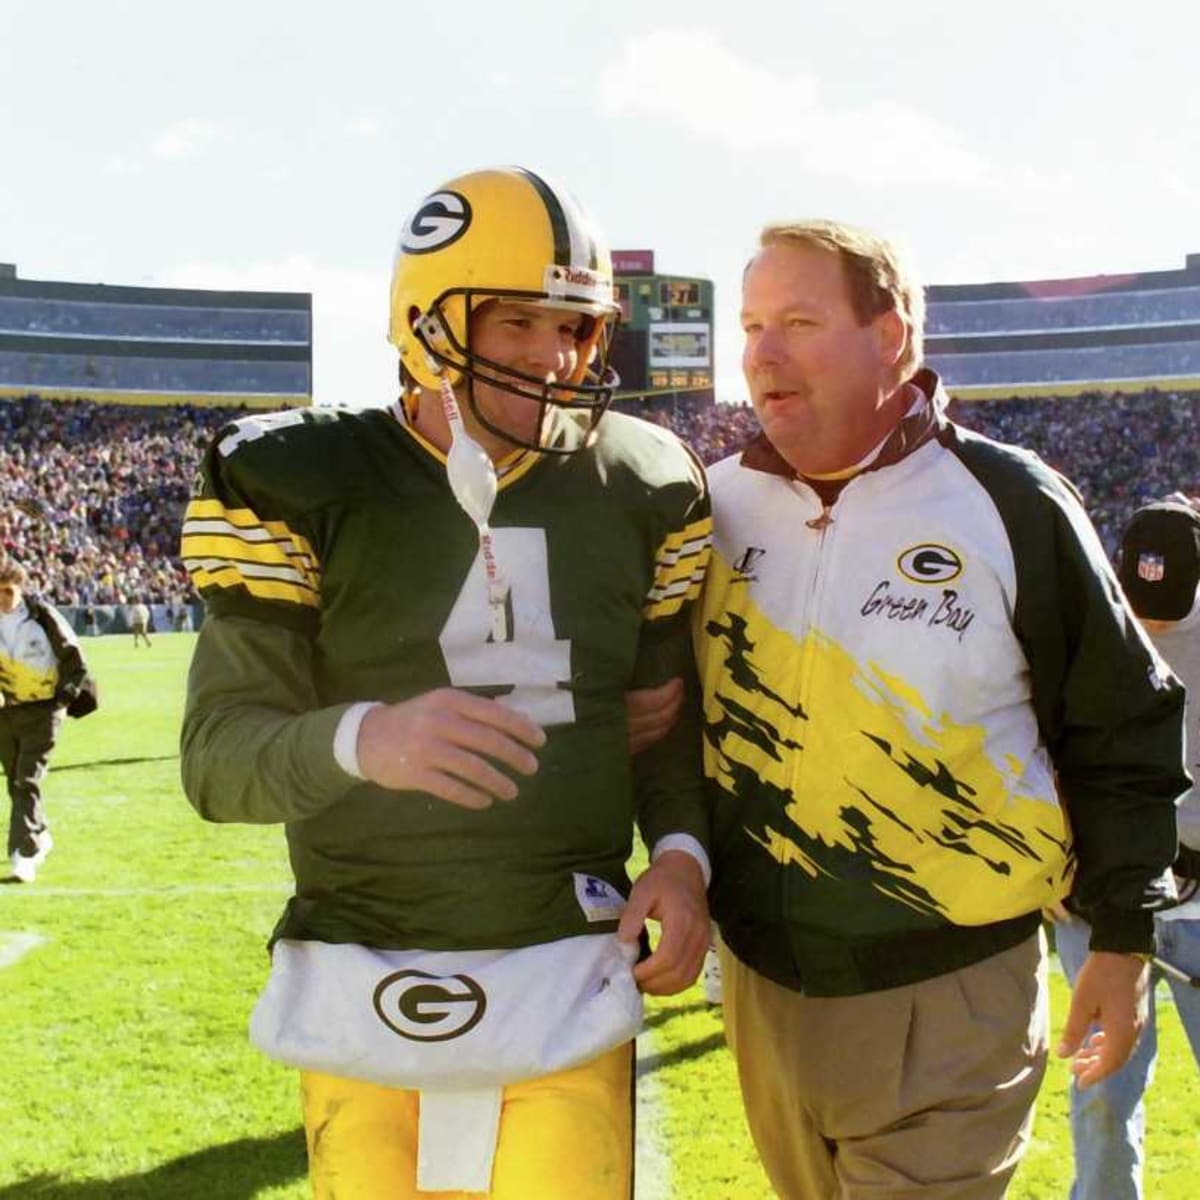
<point x="42" y="673"/>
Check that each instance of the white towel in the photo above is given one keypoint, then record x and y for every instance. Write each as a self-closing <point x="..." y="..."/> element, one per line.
<point x="457" y="1137"/>
<point x="447" y="1020"/>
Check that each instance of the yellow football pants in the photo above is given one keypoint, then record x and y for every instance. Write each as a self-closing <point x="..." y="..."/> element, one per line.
<point x="566" y="1136"/>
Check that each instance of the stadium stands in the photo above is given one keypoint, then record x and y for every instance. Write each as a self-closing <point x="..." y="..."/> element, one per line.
<point x="154" y="345"/>
<point x="92" y="495"/>
<point x="1063" y="336"/>
<point x="93" y="487"/>
<point x="153" y="322"/>
<point x="1120" y="449"/>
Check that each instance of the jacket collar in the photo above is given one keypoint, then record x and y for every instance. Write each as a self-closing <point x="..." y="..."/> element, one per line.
<point x="925" y="416"/>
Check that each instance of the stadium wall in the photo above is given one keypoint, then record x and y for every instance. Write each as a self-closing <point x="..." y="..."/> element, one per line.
<point x="154" y="346"/>
<point x="1063" y="337"/>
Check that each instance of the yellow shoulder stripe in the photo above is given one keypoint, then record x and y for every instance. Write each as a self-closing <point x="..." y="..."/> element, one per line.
<point x="679" y="568"/>
<point x="232" y="547"/>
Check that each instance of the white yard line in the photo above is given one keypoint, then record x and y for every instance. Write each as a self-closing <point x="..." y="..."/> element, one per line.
<point x="183" y="889"/>
<point x="652" y="1172"/>
<point x="15" y="945"/>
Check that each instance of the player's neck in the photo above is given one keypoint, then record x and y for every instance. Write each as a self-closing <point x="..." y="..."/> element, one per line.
<point x="429" y="419"/>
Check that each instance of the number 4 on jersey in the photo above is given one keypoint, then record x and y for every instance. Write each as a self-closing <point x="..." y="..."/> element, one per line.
<point x="525" y="672"/>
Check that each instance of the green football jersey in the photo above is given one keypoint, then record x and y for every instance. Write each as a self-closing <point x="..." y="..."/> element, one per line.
<point x="337" y="567"/>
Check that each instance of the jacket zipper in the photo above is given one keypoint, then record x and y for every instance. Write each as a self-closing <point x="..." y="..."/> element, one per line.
<point x="820" y="525"/>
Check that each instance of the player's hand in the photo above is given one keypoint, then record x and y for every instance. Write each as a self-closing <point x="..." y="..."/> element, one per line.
<point x="652" y="712"/>
<point x="670" y="891"/>
<point x="1111" y="993"/>
<point x="441" y="743"/>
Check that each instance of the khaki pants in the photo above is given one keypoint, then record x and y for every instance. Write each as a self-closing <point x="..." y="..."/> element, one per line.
<point x="919" y="1091"/>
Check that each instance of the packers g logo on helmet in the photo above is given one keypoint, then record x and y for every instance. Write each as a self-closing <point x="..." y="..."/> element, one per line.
<point x="503" y="234"/>
<point x="441" y="219"/>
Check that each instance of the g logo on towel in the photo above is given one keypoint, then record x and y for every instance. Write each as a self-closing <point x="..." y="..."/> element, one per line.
<point x="429" y="1008"/>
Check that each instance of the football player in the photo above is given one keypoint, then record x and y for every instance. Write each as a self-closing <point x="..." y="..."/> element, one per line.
<point x="422" y="621"/>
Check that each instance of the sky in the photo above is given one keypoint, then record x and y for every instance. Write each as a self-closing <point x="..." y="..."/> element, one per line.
<point x="267" y="145"/>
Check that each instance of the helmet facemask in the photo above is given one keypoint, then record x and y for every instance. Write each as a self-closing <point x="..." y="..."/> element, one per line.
<point x="444" y="333"/>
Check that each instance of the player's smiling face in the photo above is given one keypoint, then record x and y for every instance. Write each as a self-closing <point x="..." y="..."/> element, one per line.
<point x="534" y="339"/>
<point x="822" y="383"/>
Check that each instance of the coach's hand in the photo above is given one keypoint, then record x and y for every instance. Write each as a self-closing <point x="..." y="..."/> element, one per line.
<point x="1110" y="993"/>
<point x="441" y="743"/>
<point x="670" y="891"/>
<point x="651" y="712"/>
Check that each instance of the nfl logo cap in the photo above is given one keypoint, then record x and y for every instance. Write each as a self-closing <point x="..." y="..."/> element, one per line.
<point x="1159" y="563"/>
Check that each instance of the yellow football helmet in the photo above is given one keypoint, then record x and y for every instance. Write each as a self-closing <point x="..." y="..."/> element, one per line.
<point x="503" y="233"/>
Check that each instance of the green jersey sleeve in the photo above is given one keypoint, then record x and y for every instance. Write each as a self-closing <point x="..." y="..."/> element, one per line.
<point x="257" y="745"/>
<point x="668" y="777"/>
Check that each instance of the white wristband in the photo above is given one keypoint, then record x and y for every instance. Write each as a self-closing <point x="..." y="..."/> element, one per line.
<point x="345" y="737"/>
<point x="689" y="845"/>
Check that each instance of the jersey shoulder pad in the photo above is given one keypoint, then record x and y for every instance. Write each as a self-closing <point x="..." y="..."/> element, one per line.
<point x="248" y="539"/>
<point x="284" y="462"/>
<point x="655" y="455"/>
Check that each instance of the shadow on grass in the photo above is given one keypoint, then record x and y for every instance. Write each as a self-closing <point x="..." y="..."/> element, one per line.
<point x="112" y="762"/>
<point x="656" y="1062"/>
<point x="233" y="1171"/>
<point x="654" y="1020"/>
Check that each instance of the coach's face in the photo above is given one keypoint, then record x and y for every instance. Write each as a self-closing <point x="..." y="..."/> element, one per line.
<point x="823" y="384"/>
<point x="10" y="597"/>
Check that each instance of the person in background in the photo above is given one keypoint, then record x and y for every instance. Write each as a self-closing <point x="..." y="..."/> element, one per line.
<point x="421" y="623"/>
<point x="41" y="672"/>
<point x="1159" y="570"/>
<point x="139" y="623"/>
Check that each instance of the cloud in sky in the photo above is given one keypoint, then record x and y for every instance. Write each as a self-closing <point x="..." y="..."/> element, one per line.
<point x="688" y="78"/>
<point x="184" y="139"/>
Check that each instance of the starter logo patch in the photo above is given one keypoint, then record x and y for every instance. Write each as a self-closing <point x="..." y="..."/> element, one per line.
<point x="598" y="898"/>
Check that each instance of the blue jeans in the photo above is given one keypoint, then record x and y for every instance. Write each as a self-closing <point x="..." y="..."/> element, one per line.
<point x="1108" y="1120"/>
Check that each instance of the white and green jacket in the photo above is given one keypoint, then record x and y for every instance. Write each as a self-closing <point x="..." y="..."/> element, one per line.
<point x="40" y="660"/>
<point x="928" y="714"/>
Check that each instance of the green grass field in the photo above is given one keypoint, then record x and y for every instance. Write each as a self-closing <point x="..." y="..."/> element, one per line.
<point x="129" y="969"/>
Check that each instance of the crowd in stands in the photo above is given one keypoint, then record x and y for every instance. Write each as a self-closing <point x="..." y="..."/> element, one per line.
<point x="91" y="496"/>
<point x="1119" y="449"/>
<point x="712" y="432"/>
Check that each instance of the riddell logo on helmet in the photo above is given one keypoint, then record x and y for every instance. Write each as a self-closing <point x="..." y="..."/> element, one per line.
<point x="575" y="281"/>
<point x="580" y="276"/>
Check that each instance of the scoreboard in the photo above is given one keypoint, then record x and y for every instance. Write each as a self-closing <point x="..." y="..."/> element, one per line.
<point x="663" y="350"/>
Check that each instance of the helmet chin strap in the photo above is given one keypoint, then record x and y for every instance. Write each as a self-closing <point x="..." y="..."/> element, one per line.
<point x="472" y="477"/>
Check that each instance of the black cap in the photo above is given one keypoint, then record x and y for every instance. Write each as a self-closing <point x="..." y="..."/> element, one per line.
<point x="1159" y="564"/>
